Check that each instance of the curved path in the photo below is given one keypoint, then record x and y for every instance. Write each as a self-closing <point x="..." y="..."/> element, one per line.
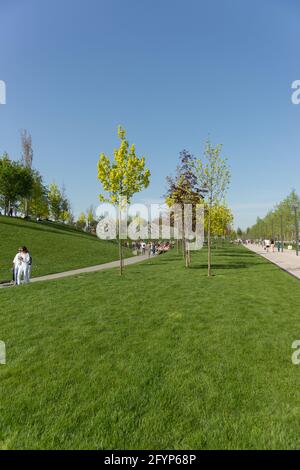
<point x="90" y="269"/>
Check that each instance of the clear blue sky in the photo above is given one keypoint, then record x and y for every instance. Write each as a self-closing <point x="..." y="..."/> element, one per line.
<point x="171" y="72"/>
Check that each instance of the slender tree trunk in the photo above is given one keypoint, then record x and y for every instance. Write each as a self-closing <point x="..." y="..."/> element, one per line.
<point x="184" y="244"/>
<point x="26" y="207"/>
<point x="186" y="255"/>
<point x="120" y="256"/>
<point x="209" y="246"/>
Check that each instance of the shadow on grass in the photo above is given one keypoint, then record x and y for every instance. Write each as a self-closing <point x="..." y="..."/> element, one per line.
<point x="224" y="266"/>
<point x="239" y="255"/>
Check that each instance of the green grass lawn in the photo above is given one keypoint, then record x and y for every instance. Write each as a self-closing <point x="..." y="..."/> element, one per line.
<point x="54" y="247"/>
<point x="163" y="358"/>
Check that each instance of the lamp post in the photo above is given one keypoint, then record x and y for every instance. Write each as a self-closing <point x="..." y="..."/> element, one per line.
<point x="295" y="207"/>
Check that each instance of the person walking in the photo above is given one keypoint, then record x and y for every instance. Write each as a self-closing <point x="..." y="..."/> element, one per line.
<point x="153" y="249"/>
<point x="17" y="263"/>
<point x="23" y="270"/>
<point x="272" y="246"/>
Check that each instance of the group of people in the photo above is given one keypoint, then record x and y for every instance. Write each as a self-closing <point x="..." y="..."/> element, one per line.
<point x="271" y="245"/>
<point x="22" y="266"/>
<point x="151" y="248"/>
<point x="267" y="245"/>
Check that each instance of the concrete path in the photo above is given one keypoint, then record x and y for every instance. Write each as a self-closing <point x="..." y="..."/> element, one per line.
<point x="90" y="269"/>
<point x="288" y="260"/>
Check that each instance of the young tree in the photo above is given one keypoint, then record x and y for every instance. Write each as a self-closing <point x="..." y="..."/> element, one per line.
<point x="184" y="189"/>
<point x="65" y="206"/>
<point x="123" y="177"/>
<point x="39" y="206"/>
<point x="27" y="157"/>
<point x="55" y="201"/>
<point x="81" y="222"/>
<point x="90" y="219"/>
<point x="214" y="175"/>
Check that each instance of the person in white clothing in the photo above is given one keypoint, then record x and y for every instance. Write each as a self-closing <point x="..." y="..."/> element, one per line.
<point x="17" y="262"/>
<point x="23" y="270"/>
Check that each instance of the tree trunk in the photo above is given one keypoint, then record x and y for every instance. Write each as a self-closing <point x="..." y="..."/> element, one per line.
<point x="209" y="247"/>
<point x="184" y="244"/>
<point x="189" y="257"/>
<point x="121" y="256"/>
<point x="26" y="207"/>
<point x="186" y="254"/>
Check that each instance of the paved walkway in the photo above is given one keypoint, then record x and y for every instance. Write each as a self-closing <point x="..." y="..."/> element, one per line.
<point x="288" y="260"/>
<point x="90" y="269"/>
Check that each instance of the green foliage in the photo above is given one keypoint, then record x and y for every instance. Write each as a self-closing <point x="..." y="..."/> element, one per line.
<point x="58" y="204"/>
<point x="221" y="219"/>
<point x="213" y="175"/>
<point x="126" y="175"/>
<point x="81" y="221"/>
<point x="184" y="189"/>
<point x="270" y="226"/>
<point x="16" y="182"/>
<point x="39" y="204"/>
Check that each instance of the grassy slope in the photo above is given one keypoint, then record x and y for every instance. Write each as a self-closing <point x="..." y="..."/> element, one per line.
<point x="162" y="358"/>
<point x="54" y="247"/>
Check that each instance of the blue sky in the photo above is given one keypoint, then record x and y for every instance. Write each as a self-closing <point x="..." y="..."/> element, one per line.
<point x="171" y="72"/>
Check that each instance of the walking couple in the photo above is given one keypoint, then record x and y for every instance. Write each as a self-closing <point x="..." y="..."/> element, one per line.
<point x="22" y="266"/>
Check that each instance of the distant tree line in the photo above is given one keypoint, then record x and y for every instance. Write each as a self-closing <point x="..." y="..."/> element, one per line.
<point x="278" y="222"/>
<point x="24" y="193"/>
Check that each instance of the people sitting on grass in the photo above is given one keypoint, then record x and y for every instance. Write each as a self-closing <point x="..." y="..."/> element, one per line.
<point x="22" y="266"/>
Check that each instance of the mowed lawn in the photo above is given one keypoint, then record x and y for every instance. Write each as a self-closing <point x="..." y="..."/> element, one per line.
<point x="163" y="358"/>
<point x="54" y="247"/>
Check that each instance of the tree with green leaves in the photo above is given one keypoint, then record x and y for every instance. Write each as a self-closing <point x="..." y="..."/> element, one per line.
<point x="39" y="204"/>
<point x="91" y="220"/>
<point x="214" y="175"/>
<point x="16" y="182"/>
<point x="81" y="221"/>
<point x="121" y="178"/>
<point x="184" y="189"/>
<point x="220" y="218"/>
<point x="55" y="201"/>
